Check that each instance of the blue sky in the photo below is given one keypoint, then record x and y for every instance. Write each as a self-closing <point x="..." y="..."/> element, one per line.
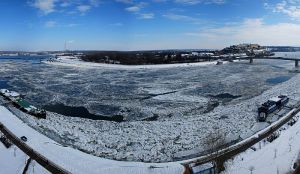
<point x="142" y="25"/>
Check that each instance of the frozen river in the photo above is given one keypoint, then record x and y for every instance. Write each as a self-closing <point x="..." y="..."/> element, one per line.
<point x="163" y="112"/>
<point x="142" y="93"/>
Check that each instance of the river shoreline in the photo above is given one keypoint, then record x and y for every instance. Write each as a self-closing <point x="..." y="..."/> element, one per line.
<point x="84" y="64"/>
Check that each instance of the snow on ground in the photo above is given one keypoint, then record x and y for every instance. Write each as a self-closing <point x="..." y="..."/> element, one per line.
<point x="276" y="157"/>
<point x="13" y="161"/>
<point x="84" y="64"/>
<point x="70" y="159"/>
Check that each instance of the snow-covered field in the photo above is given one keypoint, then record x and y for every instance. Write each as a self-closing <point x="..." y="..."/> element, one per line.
<point x="190" y="103"/>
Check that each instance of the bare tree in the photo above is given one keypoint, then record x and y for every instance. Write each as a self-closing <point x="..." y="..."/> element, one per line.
<point x="214" y="141"/>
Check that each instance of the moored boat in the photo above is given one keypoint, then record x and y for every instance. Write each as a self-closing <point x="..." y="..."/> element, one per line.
<point x="219" y="62"/>
<point x="22" y="104"/>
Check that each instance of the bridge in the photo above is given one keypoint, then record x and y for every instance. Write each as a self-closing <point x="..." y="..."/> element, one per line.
<point x="272" y="58"/>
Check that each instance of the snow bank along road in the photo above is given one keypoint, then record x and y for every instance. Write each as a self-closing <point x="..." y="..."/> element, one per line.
<point x="235" y="149"/>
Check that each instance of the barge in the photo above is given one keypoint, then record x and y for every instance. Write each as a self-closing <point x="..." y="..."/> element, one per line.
<point x="273" y="104"/>
<point x="19" y="102"/>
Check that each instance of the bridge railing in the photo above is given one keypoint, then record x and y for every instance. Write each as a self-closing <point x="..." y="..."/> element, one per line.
<point x="39" y="158"/>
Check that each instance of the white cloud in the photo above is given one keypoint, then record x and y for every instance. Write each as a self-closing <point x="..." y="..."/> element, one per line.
<point x="186" y="2"/>
<point x="190" y="2"/>
<point x="290" y="8"/>
<point x="147" y="16"/>
<point x="179" y="17"/>
<point x="133" y="9"/>
<point x="64" y="6"/>
<point x="94" y="3"/>
<point x="136" y="7"/>
<point x="83" y="8"/>
<point x="125" y="1"/>
<point x="249" y="31"/>
<point x="50" y="24"/>
<point x="45" y="6"/>
<point x="193" y="2"/>
<point x="71" y="25"/>
<point x="216" y="2"/>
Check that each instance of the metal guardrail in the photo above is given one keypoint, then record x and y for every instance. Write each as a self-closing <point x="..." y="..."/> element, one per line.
<point x="245" y="144"/>
<point x="42" y="160"/>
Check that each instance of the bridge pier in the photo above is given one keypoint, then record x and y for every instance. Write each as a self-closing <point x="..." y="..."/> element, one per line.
<point x="251" y="60"/>
<point x="296" y="63"/>
<point x="219" y="164"/>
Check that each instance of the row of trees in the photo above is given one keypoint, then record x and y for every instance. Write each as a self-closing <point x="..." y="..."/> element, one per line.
<point x="140" y="58"/>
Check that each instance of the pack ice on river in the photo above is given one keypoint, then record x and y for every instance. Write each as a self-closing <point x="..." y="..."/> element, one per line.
<point x="151" y="115"/>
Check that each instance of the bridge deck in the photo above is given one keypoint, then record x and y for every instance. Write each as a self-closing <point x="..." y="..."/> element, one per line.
<point x="273" y="58"/>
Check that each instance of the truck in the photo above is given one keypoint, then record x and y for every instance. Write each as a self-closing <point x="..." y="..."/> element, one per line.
<point x="273" y="104"/>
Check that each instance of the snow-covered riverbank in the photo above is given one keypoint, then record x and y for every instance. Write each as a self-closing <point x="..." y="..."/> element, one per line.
<point x="84" y="64"/>
<point x="72" y="160"/>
